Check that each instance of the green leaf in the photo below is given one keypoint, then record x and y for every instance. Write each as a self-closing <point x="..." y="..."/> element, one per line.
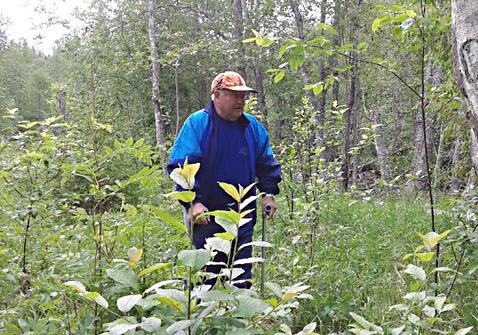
<point x="96" y="297"/>
<point x="219" y="244"/>
<point x="309" y="329"/>
<point x="282" y="51"/>
<point x="117" y="144"/>
<point x="248" y="260"/>
<point x="214" y="295"/>
<point x="256" y="244"/>
<point x="249" y="40"/>
<point x="361" y="46"/>
<point x="249" y="307"/>
<point x="464" y="331"/>
<point x="326" y="27"/>
<point x="184" y="196"/>
<point x="279" y="76"/>
<point x="196" y="259"/>
<point x="134" y="254"/>
<point x="376" y="24"/>
<point x="79" y="287"/>
<point x="231" y="190"/>
<point x="425" y="256"/>
<point x="168" y="219"/>
<point x="122" y="328"/>
<point x="227" y="225"/>
<point x="230" y="215"/>
<point x="366" y="324"/>
<point x="129" y="142"/>
<point x="155" y="267"/>
<point x="150" y="324"/>
<point x="170" y="302"/>
<point x="416" y="272"/>
<point x="123" y="276"/>
<point x="318" y="89"/>
<point x="179" y="325"/>
<point x="127" y="302"/>
<point x="276" y="289"/>
<point x="225" y="236"/>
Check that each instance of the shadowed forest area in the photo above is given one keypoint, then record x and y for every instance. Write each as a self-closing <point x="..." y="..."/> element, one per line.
<point x="372" y="111"/>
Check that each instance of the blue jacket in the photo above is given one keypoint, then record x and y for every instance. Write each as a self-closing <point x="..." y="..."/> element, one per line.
<point x="198" y="142"/>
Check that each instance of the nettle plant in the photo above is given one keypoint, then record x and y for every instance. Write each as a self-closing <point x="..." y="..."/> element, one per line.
<point x="424" y="310"/>
<point x="180" y="303"/>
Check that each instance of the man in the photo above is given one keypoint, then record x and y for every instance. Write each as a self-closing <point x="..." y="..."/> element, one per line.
<point x="232" y="147"/>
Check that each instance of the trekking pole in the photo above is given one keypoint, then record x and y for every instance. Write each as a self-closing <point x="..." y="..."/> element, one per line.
<point x="265" y="212"/>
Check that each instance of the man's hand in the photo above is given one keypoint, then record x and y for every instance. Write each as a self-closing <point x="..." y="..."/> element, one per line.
<point x="197" y="209"/>
<point x="268" y="201"/>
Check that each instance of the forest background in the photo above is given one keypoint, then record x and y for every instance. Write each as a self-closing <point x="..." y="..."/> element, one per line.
<point x="345" y="88"/>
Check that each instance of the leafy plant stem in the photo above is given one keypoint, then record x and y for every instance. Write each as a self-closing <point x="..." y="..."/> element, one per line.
<point x="24" y="256"/>
<point x="236" y="246"/>
<point x="460" y="262"/>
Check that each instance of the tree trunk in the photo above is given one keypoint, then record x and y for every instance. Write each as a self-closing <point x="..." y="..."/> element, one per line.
<point x="158" y="117"/>
<point x="351" y="116"/>
<point x="320" y="115"/>
<point x="261" y="96"/>
<point x="395" y="110"/>
<point x="465" y="59"/>
<point x="62" y="105"/>
<point x="434" y="76"/>
<point x="455" y="180"/>
<point x="437" y="175"/>
<point x="299" y="22"/>
<point x="238" y="18"/>
<point x="380" y="145"/>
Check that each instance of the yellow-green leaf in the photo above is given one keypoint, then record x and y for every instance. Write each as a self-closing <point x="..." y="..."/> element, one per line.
<point x="155" y="267"/>
<point x="135" y="254"/>
<point x="231" y="190"/>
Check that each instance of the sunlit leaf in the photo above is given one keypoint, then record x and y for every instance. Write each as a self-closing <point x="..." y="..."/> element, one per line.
<point x="179" y="325"/>
<point x="150" y="324"/>
<point x="249" y="306"/>
<point x="184" y="196"/>
<point x="134" y="254"/>
<point x="155" y="267"/>
<point x="219" y="244"/>
<point x="123" y="276"/>
<point x="416" y="272"/>
<point x="279" y="76"/>
<point x="79" y="287"/>
<point x="127" y="302"/>
<point x="122" y="328"/>
<point x="96" y="297"/>
<point x="464" y="331"/>
<point x="168" y="219"/>
<point x="196" y="259"/>
<point x="231" y="190"/>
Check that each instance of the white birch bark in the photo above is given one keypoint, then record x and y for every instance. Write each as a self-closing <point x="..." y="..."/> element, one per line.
<point x="158" y="118"/>
<point x="465" y="59"/>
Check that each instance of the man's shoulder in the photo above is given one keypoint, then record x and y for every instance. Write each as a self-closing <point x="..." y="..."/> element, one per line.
<point x="198" y="120"/>
<point x="198" y="115"/>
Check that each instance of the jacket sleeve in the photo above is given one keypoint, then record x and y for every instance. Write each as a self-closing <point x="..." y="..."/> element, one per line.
<point x="267" y="168"/>
<point x="187" y="145"/>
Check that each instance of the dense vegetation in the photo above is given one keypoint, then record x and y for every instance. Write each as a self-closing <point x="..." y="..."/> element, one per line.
<point x="376" y="232"/>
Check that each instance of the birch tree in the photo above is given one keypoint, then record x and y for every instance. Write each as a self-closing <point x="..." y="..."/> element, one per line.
<point x="158" y="118"/>
<point x="465" y="59"/>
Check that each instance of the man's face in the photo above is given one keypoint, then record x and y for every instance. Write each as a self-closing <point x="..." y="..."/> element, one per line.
<point x="230" y="104"/>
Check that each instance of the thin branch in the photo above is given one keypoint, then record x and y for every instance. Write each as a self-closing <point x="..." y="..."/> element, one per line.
<point x="383" y="67"/>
